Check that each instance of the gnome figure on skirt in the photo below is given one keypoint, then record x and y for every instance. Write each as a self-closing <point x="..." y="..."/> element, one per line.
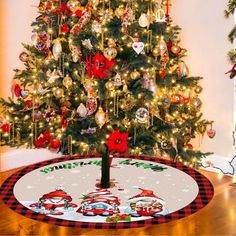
<point x="54" y="203"/>
<point x="146" y="203"/>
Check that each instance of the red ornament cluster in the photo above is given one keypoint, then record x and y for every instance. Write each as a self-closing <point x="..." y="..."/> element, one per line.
<point x="45" y="139"/>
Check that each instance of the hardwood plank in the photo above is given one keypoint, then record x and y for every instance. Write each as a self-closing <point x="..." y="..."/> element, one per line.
<point x="217" y="218"/>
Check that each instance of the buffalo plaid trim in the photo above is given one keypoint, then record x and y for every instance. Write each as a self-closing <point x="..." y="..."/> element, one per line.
<point x="204" y="196"/>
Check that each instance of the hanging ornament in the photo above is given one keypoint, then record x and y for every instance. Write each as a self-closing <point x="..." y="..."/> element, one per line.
<point x="35" y="38"/>
<point x="127" y="103"/>
<point x="146" y="80"/>
<point x="110" y="85"/>
<point x="160" y="16"/>
<point x="134" y="75"/>
<point x="143" y="20"/>
<point x="6" y="128"/>
<point x="166" y="101"/>
<point x="58" y="92"/>
<point x="211" y="132"/>
<point x="196" y="103"/>
<point x="165" y="145"/>
<point x="55" y="143"/>
<point x="89" y="131"/>
<point x="100" y="117"/>
<point x="84" y="19"/>
<point x="67" y="81"/>
<point x="153" y="87"/>
<point x="126" y="122"/>
<point x="142" y="115"/>
<point x="155" y="51"/>
<point x="120" y="11"/>
<point x="175" y="49"/>
<point x="81" y="110"/>
<point x="37" y="116"/>
<point x="91" y="105"/>
<point x="177" y="99"/>
<point x="183" y="69"/>
<point x="117" y="80"/>
<point x="96" y="26"/>
<point x="110" y="53"/>
<point x="73" y="5"/>
<point x="87" y="44"/>
<point x="94" y="3"/>
<point x="156" y="150"/>
<point x="57" y="48"/>
<point x="138" y="47"/>
<point x="65" y="28"/>
<point x="24" y="57"/>
<point x="106" y="15"/>
<point x="162" y="46"/>
<point x="53" y="76"/>
<point x="198" y="89"/>
<point x="75" y="51"/>
<point x="49" y="114"/>
<point x="162" y="73"/>
<point x="24" y="93"/>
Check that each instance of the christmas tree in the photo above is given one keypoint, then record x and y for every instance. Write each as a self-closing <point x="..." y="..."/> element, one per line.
<point x="105" y="72"/>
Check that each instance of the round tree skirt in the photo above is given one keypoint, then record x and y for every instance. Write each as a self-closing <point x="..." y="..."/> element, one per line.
<point x="144" y="191"/>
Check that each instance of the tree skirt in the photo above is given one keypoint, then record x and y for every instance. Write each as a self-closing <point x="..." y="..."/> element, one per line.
<point x="144" y="191"/>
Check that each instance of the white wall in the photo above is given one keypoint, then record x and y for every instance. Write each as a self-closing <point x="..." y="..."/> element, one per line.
<point x="204" y="35"/>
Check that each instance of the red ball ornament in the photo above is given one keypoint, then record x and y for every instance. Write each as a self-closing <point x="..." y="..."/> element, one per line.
<point x="162" y="73"/>
<point x="55" y="143"/>
<point x="65" y="28"/>
<point x="6" y="128"/>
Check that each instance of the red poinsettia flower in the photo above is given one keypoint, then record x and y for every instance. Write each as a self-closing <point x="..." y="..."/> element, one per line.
<point x="117" y="142"/>
<point x="99" y="67"/>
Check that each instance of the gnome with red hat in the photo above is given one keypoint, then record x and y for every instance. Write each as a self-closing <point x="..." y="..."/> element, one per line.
<point x="54" y="203"/>
<point x="146" y="203"/>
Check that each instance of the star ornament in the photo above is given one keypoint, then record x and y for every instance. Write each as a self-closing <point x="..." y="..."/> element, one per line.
<point x="117" y="142"/>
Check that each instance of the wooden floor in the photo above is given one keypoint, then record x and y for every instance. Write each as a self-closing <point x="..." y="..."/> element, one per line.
<point x="217" y="218"/>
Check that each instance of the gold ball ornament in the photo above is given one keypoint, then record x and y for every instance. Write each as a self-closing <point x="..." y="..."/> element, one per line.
<point x="198" y="89"/>
<point x="73" y="5"/>
<point x="110" y="85"/>
<point x="135" y="75"/>
<point x="67" y="81"/>
<point x="110" y="53"/>
<point x="100" y="117"/>
<point x="58" y="92"/>
<point x="156" y="51"/>
<point x="196" y="103"/>
<point x="175" y="49"/>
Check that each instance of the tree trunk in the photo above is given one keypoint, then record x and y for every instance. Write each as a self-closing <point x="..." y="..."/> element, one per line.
<point x="105" y="179"/>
